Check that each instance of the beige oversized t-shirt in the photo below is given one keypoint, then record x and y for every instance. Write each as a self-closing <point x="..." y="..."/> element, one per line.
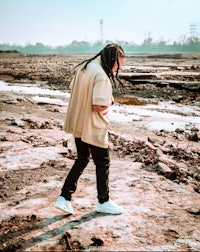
<point x="89" y="87"/>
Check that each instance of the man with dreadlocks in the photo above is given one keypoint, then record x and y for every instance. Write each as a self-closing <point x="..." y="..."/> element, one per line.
<point x="86" y="119"/>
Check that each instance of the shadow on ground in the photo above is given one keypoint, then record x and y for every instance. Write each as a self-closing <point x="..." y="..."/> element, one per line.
<point x="12" y="240"/>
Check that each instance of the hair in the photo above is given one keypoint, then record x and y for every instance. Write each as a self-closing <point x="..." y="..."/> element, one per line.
<point x="108" y="56"/>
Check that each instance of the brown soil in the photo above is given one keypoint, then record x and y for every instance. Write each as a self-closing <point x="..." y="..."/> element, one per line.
<point x="154" y="174"/>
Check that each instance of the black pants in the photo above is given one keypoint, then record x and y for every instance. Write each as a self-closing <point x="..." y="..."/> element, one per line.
<point x="101" y="160"/>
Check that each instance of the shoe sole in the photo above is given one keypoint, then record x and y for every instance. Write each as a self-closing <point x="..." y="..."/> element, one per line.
<point x="63" y="210"/>
<point x="108" y="212"/>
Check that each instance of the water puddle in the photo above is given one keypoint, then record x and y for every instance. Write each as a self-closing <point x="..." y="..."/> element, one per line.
<point x="38" y="93"/>
<point x="40" y="99"/>
<point x="29" y="89"/>
<point x="158" y="117"/>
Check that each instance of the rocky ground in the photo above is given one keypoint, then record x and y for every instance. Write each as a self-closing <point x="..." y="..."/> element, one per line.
<point x="154" y="174"/>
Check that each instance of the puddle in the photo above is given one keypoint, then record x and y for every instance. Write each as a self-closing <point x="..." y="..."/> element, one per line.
<point x="162" y="116"/>
<point x="144" y="68"/>
<point x="49" y="100"/>
<point x="30" y="89"/>
<point x="39" y="94"/>
<point x="167" y="125"/>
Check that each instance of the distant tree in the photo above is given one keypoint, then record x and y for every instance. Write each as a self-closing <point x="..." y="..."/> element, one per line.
<point x="191" y="44"/>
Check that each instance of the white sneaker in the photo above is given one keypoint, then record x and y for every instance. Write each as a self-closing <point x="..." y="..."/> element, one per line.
<point x="64" y="205"/>
<point x="109" y="207"/>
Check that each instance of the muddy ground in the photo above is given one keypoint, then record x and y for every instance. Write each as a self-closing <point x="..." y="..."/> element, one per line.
<point x="154" y="174"/>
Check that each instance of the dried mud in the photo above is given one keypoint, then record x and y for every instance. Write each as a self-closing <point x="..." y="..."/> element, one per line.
<point x="154" y="174"/>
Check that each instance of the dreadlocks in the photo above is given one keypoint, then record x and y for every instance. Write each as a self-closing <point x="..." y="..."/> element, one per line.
<point x="108" y="56"/>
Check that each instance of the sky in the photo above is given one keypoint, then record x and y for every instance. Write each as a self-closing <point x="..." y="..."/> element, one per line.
<point x="59" y="22"/>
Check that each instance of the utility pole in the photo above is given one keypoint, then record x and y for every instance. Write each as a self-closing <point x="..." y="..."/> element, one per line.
<point x="101" y="30"/>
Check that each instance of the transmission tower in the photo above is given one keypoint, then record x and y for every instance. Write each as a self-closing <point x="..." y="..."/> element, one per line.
<point x="194" y="30"/>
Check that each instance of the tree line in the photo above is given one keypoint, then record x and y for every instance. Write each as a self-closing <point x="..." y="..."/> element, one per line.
<point x="192" y="44"/>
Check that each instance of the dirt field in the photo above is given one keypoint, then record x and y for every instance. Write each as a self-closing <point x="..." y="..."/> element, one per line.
<point x="154" y="174"/>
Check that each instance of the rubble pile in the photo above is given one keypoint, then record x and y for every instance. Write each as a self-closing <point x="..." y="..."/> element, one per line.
<point x="166" y="160"/>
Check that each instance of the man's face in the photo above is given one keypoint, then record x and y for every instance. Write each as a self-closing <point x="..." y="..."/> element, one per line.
<point x="121" y="63"/>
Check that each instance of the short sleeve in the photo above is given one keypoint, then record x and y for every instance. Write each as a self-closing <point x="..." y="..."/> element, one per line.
<point x="102" y="91"/>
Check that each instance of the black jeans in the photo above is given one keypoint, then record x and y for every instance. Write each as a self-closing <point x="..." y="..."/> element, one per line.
<point x="101" y="160"/>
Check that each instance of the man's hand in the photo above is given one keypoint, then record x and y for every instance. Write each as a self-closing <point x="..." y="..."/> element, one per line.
<point x="98" y="108"/>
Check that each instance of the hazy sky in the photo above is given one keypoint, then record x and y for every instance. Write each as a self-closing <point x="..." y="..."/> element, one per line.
<point x="58" y="22"/>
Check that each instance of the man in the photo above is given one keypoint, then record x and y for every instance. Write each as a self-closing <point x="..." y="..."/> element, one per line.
<point x="87" y="120"/>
